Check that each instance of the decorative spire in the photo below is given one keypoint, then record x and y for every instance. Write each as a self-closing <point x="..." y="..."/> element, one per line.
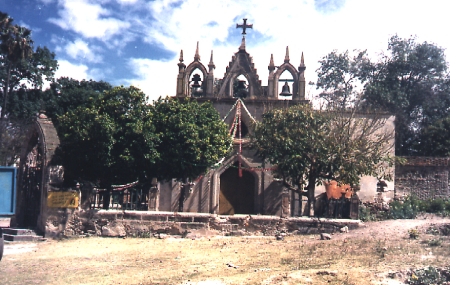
<point x="242" y="47"/>
<point x="181" y="56"/>
<point x="286" y="57"/>
<point x="271" y="64"/>
<point x="302" y="66"/>
<point x="211" y="63"/>
<point x="197" y="55"/>
<point x="181" y="65"/>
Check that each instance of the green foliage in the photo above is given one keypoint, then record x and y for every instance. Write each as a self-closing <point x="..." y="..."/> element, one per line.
<point x="429" y="276"/>
<point x="192" y="137"/>
<point x="67" y="94"/>
<point x="413" y="233"/>
<point x="340" y="76"/>
<point x="111" y="141"/>
<point x="20" y="65"/>
<point x="407" y="209"/>
<point x="409" y="81"/>
<point x="309" y="146"/>
<point x="435" y="138"/>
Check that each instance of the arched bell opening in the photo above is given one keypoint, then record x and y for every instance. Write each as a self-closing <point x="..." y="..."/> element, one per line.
<point x="197" y="83"/>
<point x="241" y="87"/>
<point x="285" y="85"/>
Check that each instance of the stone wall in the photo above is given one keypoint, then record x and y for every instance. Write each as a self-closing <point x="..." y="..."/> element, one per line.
<point x="425" y="177"/>
<point x="114" y="223"/>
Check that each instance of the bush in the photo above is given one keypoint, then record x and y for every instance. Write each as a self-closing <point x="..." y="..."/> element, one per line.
<point x="407" y="209"/>
<point x="428" y="276"/>
<point x="436" y="206"/>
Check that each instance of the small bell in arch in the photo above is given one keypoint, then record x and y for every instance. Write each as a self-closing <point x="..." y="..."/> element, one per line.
<point x="286" y="91"/>
<point x="196" y="86"/>
<point x="241" y="90"/>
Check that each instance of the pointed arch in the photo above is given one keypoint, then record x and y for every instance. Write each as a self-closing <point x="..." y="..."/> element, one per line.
<point x="293" y="71"/>
<point x="188" y="73"/>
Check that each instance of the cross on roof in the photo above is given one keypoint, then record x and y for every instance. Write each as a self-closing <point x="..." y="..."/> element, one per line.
<point x="244" y="26"/>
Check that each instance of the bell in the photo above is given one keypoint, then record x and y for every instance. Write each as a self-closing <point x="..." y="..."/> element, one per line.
<point x="241" y="90"/>
<point x="196" y="86"/>
<point x="286" y="90"/>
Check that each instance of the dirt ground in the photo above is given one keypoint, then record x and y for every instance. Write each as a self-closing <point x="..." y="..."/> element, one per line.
<point x="376" y="253"/>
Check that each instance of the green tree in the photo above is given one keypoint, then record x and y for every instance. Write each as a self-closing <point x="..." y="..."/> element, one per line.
<point x="67" y="94"/>
<point x="111" y="141"/>
<point x="341" y="78"/>
<point x="309" y="147"/>
<point x="411" y="83"/>
<point x="16" y="46"/>
<point x="435" y="138"/>
<point x="192" y="139"/>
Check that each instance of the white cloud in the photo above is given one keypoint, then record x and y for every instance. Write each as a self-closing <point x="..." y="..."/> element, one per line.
<point x="88" y="19"/>
<point x="75" y="71"/>
<point x="151" y="77"/>
<point x="80" y="49"/>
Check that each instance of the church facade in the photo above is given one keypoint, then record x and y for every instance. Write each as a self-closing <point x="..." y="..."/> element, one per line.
<point x="242" y="183"/>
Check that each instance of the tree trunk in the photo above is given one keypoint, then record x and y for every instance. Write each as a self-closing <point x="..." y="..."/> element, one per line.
<point x="311" y="197"/>
<point x="300" y="199"/>
<point x="183" y="189"/>
<point x="5" y="92"/>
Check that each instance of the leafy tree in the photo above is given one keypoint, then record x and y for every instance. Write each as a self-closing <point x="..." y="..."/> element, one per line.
<point x="111" y="141"/>
<point x="15" y="46"/>
<point x="435" y="138"/>
<point x="309" y="147"/>
<point x="67" y="94"/>
<point x="411" y="83"/>
<point x="192" y="138"/>
<point x="341" y="78"/>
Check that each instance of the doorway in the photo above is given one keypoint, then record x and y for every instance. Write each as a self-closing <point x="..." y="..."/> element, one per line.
<point x="237" y="194"/>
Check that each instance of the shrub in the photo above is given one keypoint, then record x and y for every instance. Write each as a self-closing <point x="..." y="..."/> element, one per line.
<point x="436" y="206"/>
<point x="428" y="276"/>
<point x="413" y="233"/>
<point x="407" y="209"/>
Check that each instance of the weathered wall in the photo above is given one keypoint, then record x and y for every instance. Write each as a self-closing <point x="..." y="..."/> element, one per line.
<point x="425" y="177"/>
<point x="113" y="223"/>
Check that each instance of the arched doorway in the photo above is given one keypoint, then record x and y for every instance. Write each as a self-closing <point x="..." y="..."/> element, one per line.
<point x="237" y="194"/>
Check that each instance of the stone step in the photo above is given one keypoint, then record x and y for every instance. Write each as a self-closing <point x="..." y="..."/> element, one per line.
<point x="22" y="232"/>
<point x="8" y="237"/>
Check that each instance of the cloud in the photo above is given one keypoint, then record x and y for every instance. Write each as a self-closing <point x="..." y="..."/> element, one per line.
<point x="152" y="77"/>
<point x="68" y="69"/>
<point x="80" y="49"/>
<point x="328" y="6"/>
<point x="88" y="19"/>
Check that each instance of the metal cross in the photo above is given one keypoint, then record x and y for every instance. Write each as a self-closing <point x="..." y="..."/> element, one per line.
<point x="244" y="26"/>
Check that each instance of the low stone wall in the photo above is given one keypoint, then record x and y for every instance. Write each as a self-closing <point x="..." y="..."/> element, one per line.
<point x="113" y="223"/>
<point x="424" y="177"/>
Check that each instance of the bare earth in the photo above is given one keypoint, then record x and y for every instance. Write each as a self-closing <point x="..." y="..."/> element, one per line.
<point x="376" y="253"/>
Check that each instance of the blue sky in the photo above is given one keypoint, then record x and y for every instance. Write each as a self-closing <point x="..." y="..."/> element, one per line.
<point x="137" y="42"/>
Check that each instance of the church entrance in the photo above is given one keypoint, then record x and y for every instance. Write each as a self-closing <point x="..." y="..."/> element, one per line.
<point x="237" y="194"/>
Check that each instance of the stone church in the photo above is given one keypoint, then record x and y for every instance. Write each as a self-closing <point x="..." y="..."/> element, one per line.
<point x="241" y="183"/>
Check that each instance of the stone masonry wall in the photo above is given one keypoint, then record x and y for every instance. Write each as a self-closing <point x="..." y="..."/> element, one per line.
<point x="425" y="177"/>
<point x="114" y="223"/>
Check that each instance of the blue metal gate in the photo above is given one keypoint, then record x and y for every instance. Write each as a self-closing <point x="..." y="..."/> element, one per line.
<point x="7" y="190"/>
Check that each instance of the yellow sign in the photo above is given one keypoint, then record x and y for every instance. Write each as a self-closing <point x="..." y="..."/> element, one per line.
<point x="63" y="199"/>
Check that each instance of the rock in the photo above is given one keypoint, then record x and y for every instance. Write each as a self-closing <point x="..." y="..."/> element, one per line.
<point x="325" y="236"/>
<point x="114" y="230"/>
<point x="344" y="229"/>
<point x="327" y="272"/>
